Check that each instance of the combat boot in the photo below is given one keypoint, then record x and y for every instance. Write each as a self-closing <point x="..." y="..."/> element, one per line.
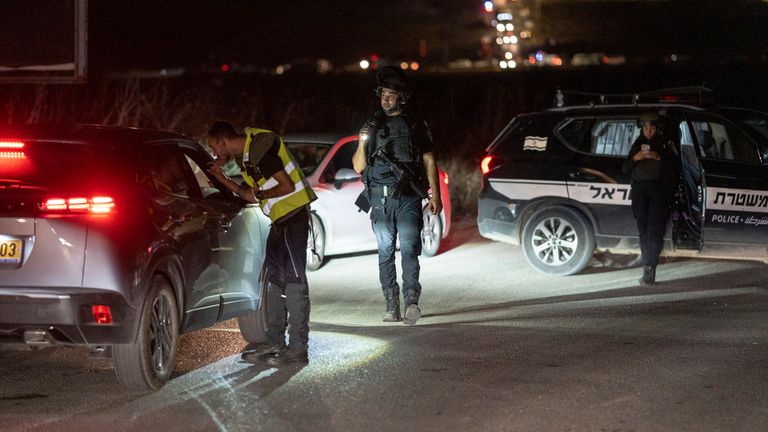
<point x="412" y="310"/>
<point x="649" y="276"/>
<point x="392" y="314"/>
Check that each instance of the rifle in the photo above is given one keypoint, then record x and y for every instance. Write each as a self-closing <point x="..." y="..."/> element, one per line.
<point x="404" y="176"/>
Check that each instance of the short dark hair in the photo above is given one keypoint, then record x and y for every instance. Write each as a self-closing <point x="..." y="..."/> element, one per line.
<point x="222" y="129"/>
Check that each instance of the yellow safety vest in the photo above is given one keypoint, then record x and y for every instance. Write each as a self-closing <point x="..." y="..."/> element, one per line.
<point x="280" y="206"/>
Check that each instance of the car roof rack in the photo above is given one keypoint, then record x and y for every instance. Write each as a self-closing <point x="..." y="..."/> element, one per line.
<point x="692" y="94"/>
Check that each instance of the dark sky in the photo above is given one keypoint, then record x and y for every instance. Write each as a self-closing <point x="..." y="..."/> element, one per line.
<point x="146" y="34"/>
<point x="174" y="32"/>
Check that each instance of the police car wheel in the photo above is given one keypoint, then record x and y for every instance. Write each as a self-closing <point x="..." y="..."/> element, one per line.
<point x="317" y="233"/>
<point x="558" y="241"/>
<point x="431" y="233"/>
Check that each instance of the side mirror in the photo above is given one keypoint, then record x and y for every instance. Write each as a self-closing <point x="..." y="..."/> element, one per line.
<point x="345" y="175"/>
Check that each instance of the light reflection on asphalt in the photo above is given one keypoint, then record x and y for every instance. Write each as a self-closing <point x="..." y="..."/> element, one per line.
<point x="240" y="385"/>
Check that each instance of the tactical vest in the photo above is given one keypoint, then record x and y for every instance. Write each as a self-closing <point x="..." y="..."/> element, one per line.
<point x="281" y="206"/>
<point x="394" y="135"/>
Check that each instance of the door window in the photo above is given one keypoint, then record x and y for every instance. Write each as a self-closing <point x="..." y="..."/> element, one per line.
<point x="605" y="137"/>
<point x="342" y="159"/>
<point x="196" y="163"/>
<point x="167" y="170"/>
<point x="719" y="139"/>
<point x="614" y="137"/>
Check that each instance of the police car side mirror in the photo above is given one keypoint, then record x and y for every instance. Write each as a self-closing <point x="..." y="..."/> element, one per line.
<point x="345" y="175"/>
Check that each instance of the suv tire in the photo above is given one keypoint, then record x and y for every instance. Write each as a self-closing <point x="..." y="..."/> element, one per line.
<point x="253" y="325"/>
<point x="148" y="363"/>
<point x="558" y="241"/>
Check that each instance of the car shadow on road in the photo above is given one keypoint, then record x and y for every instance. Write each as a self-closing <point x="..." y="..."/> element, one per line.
<point x="463" y="230"/>
<point x="607" y="261"/>
<point x="708" y="285"/>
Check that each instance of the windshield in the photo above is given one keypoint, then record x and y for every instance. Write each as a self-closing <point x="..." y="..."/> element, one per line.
<point x="308" y="155"/>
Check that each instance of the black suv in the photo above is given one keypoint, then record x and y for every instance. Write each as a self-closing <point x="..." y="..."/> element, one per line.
<point x="552" y="182"/>
<point x="117" y="239"/>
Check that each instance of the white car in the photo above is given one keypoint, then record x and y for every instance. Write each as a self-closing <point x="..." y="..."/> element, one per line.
<point x="337" y="225"/>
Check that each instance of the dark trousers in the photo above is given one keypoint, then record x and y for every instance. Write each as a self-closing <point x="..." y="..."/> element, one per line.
<point x="392" y="218"/>
<point x="287" y="289"/>
<point x="651" y="208"/>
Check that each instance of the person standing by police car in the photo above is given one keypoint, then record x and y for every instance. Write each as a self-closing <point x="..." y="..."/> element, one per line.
<point x="395" y="204"/>
<point x="274" y="180"/>
<point x="654" y="166"/>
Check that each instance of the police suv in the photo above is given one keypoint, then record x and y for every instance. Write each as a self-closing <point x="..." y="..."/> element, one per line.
<point x="552" y="181"/>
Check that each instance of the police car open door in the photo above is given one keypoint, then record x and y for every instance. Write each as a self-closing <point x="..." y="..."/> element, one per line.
<point x="724" y="189"/>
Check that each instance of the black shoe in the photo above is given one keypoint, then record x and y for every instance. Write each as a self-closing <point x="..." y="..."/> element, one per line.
<point x="287" y="357"/>
<point x="392" y="314"/>
<point x="649" y="276"/>
<point x="412" y="314"/>
<point x="261" y="353"/>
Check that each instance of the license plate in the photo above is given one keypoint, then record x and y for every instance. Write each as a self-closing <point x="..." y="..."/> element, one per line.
<point x="10" y="251"/>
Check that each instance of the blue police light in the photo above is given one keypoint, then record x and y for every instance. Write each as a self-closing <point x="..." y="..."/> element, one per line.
<point x="488" y="5"/>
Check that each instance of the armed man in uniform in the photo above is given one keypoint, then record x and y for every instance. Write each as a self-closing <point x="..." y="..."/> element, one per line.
<point x="396" y="158"/>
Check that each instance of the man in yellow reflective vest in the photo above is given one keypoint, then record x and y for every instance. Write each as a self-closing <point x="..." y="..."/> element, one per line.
<point x="274" y="180"/>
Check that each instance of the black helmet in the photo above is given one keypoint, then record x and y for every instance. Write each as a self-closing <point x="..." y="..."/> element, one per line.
<point x="649" y="117"/>
<point x="392" y="77"/>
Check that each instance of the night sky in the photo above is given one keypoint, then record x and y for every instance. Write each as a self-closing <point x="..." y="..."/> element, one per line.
<point x="268" y="32"/>
<point x="150" y="34"/>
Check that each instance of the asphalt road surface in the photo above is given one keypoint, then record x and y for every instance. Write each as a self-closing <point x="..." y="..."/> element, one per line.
<point x="500" y="348"/>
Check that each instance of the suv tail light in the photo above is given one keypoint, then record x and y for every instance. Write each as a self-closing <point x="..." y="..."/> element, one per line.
<point x="74" y="205"/>
<point x="485" y="164"/>
<point x="12" y="150"/>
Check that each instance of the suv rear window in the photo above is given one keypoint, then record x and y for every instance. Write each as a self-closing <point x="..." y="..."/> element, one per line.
<point x="46" y="165"/>
<point x="607" y="137"/>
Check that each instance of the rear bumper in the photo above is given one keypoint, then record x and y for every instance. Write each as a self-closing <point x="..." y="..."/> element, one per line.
<point x="497" y="218"/>
<point x="66" y="315"/>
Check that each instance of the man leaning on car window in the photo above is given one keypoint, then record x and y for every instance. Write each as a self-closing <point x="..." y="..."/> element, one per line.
<point x="274" y="180"/>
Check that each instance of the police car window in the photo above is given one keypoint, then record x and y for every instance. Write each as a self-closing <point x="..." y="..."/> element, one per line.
<point x="342" y="159"/>
<point x="719" y="139"/>
<point x="576" y="133"/>
<point x="613" y="137"/>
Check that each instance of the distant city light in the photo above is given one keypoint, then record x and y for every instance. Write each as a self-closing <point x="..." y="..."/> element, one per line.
<point x="513" y="39"/>
<point x="499" y="41"/>
<point x="525" y="34"/>
<point x="511" y="64"/>
<point x="500" y="27"/>
<point x="415" y="66"/>
<point x="510" y="27"/>
<point x="539" y="56"/>
<point x="403" y="65"/>
<point x="506" y="39"/>
<point x="364" y="64"/>
<point x="504" y="16"/>
<point x="508" y="55"/>
<point x="224" y="67"/>
<point x="488" y="5"/>
<point x="503" y="64"/>
<point x="280" y="70"/>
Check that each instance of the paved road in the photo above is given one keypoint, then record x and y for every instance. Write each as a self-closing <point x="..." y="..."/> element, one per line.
<point x="500" y="348"/>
